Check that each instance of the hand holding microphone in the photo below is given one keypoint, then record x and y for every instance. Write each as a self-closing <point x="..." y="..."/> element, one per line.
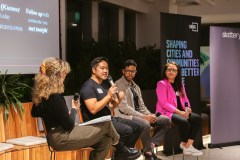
<point x="76" y="97"/>
<point x="75" y="101"/>
<point x="110" y="80"/>
<point x="158" y="114"/>
<point x="151" y="118"/>
<point x="187" y="109"/>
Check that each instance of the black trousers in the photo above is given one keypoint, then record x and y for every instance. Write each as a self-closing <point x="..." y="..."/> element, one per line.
<point x="188" y="128"/>
<point x="128" y="130"/>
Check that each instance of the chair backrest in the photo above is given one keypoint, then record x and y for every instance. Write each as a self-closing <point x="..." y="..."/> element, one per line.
<point x="150" y="99"/>
<point x="68" y="100"/>
<point x="79" y="111"/>
<point x="44" y="127"/>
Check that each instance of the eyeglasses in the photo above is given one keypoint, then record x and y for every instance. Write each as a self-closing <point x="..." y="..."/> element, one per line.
<point x="172" y="70"/>
<point x="131" y="71"/>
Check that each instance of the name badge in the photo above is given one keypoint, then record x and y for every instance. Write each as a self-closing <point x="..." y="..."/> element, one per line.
<point x="99" y="90"/>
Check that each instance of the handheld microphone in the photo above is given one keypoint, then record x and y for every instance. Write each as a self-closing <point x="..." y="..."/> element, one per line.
<point x="76" y="97"/>
<point x="158" y="114"/>
<point x="110" y="80"/>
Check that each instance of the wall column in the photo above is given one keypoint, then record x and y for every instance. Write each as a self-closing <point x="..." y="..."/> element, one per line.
<point x="95" y="20"/>
<point x="121" y="24"/>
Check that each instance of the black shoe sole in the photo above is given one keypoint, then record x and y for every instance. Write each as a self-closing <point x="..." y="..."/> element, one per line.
<point x="133" y="157"/>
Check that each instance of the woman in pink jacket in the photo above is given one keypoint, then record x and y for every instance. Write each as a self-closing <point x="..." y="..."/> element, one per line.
<point x="173" y="103"/>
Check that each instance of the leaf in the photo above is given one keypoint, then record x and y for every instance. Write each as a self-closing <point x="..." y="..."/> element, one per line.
<point x="12" y="89"/>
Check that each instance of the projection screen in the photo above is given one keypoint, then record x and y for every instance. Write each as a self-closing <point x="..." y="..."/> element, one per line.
<point x="29" y="31"/>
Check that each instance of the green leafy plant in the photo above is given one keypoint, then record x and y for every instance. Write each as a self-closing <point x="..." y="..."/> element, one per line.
<point x="12" y="91"/>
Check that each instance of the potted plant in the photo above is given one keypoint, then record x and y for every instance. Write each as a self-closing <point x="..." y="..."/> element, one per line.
<point x="13" y="89"/>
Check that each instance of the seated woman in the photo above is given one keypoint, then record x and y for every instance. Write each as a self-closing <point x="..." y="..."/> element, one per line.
<point x="62" y="134"/>
<point x="173" y="103"/>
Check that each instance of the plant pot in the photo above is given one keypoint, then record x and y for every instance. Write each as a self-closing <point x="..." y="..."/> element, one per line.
<point x="2" y="133"/>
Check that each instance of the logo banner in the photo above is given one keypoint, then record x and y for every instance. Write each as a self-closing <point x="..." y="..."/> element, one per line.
<point x="180" y="42"/>
<point x="224" y="86"/>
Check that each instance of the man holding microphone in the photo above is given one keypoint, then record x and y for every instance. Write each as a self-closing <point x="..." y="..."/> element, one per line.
<point x="96" y="101"/>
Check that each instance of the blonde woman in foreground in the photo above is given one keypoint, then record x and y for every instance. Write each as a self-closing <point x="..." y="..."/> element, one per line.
<point x="62" y="134"/>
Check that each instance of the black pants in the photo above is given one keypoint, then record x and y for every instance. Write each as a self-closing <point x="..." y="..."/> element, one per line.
<point x="128" y="130"/>
<point x="188" y="128"/>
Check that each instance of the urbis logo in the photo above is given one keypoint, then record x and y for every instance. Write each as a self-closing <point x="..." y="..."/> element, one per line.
<point x="194" y="26"/>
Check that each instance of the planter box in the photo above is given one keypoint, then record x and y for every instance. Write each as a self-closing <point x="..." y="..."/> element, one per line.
<point x="17" y="124"/>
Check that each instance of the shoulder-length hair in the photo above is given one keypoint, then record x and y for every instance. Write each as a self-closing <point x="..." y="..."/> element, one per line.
<point x="178" y="78"/>
<point x="48" y="81"/>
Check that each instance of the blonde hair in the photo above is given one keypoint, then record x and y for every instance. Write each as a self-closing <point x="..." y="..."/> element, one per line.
<point x="48" y="80"/>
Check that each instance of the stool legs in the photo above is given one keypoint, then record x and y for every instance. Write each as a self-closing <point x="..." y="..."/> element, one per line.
<point x="173" y="152"/>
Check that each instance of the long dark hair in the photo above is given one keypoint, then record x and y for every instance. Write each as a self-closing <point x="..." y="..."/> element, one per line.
<point x="178" y="78"/>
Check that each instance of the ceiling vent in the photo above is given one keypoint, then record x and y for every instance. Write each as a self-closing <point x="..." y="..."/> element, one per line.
<point x="148" y="1"/>
<point x="187" y="2"/>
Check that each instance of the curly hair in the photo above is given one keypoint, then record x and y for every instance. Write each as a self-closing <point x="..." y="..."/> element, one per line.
<point x="48" y="81"/>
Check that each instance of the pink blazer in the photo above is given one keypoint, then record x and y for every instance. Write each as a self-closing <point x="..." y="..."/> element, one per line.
<point x="167" y="101"/>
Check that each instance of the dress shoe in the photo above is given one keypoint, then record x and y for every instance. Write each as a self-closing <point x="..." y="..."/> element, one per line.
<point x="123" y="152"/>
<point x="151" y="157"/>
<point x="154" y="155"/>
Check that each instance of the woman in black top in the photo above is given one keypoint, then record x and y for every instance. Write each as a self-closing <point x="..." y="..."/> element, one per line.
<point x="60" y="122"/>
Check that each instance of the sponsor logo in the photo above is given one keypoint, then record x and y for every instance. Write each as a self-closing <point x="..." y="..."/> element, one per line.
<point x="194" y="26"/>
<point x="231" y="35"/>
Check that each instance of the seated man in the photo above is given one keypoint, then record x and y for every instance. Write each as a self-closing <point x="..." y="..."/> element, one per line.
<point x="133" y="107"/>
<point x="96" y="101"/>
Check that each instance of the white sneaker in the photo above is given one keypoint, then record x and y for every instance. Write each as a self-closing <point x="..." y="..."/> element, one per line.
<point x="192" y="151"/>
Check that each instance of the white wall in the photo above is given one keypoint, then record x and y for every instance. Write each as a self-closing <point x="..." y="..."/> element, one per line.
<point x="148" y="19"/>
<point x="222" y="11"/>
<point x="148" y="25"/>
<point x="63" y="27"/>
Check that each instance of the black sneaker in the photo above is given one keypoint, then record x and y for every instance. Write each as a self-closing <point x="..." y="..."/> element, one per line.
<point x="151" y="157"/>
<point x="154" y="155"/>
<point x="123" y="152"/>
